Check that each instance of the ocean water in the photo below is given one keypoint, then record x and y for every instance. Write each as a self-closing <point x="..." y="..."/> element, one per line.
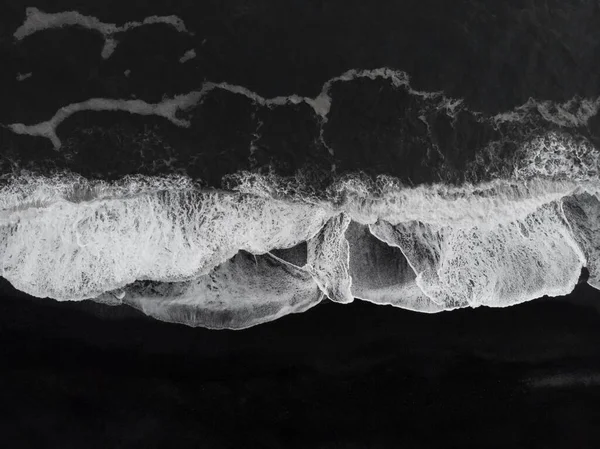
<point x="223" y="208"/>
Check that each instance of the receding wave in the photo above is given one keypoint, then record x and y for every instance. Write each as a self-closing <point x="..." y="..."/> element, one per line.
<point x="234" y="259"/>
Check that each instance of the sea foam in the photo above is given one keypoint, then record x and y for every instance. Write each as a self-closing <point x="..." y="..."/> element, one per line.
<point x="216" y="259"/>
<point x="77" y="250"/>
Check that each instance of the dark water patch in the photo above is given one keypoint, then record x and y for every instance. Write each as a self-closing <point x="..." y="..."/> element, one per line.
<point x="375" y="127"/>
<point x="152" y="54"/>
<point x="22" y="152"/>
<point x="540" y="330"/>
<point x="287" y="138"/>
<point x="584" y="276"/>
<point x="460" y="140"/>
<point x="374" y="265"/>
<point x="110" y="145"/>
<point x="13" y="63"/>
<point x="368" y="374"/>
<point x="64" y="64"/>
<point x="297" y="255"/>
<point x="221" y="131"/>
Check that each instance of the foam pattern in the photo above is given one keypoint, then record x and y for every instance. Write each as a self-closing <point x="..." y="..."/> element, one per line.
<point x="382" y="275"/>
<point x="244" y="291"/>
<point x="498" y="266"/>
<point x="583" y="214"/>
<point x="233" y="259"/>
<point x="328" y="254"/>
<point x="77" y="250"/>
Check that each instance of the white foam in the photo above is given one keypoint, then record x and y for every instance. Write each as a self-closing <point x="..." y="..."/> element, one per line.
<point x="566" y="380"/>
<point x="76" y="250"/>
<point x="328" y="260"/>
<point x="26" y="190"/>
<point x="37" y="20"/>
<point x="166" y="108"/>
<point x="559" y="156"/>
<point x="242" y="292"/>
<point x="381" y="274"/>
<point x="499" y="266"/>
<point x="23" y="76"/>
<point x="187" y="56"/>
<point x="574" y="113"/>
<point x="484" y="204"/>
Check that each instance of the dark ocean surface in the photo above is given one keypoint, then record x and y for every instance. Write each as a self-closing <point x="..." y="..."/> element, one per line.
<point x="338" y="376"/>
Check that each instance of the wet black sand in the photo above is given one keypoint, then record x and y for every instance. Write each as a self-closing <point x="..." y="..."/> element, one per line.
<point x="355" y="376"/>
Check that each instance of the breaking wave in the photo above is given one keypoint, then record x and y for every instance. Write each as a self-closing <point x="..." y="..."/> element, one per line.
<point x="237" y="258"/>
<point x="517" y="224"/>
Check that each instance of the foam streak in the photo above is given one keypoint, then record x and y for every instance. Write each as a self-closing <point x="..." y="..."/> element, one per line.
<point x="574" y="113"/>
<point x="37" y="20"/>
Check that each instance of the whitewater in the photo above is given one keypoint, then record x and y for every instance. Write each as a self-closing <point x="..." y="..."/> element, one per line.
<point x="234" y="259"/>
